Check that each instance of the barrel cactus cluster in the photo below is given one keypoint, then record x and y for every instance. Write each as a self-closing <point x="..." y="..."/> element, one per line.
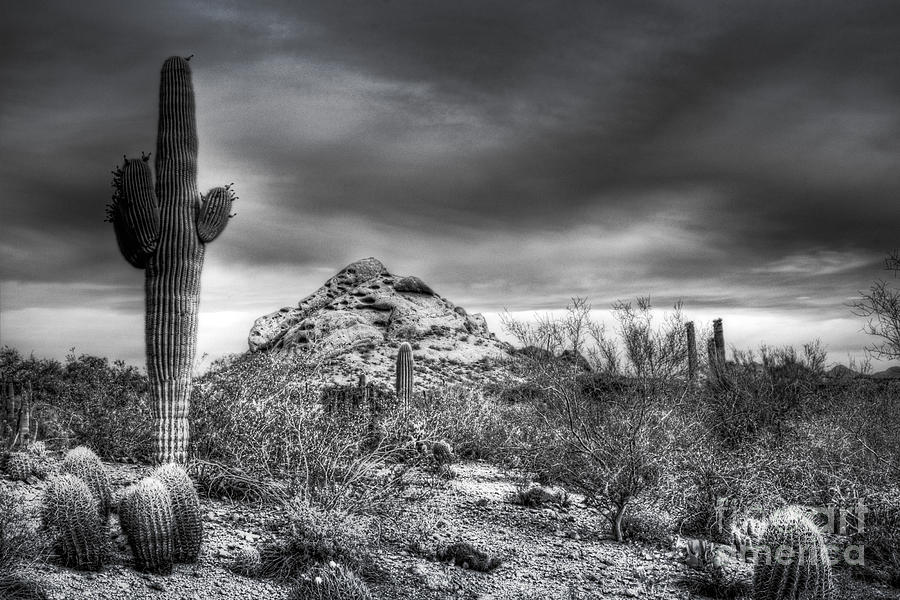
<point x="160" y="516"/>
<point x="164" y="229"/>
<point x="797" y="564"/>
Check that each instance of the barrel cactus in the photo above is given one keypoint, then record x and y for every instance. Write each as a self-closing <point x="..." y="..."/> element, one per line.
<point x="185" y="509"/>
<point x="443" y="452"/>
<point x="246" y="561"/>
<point x="83" y="463"/>
<point x="164" y="231"/>
<point x="71" y="516"/>
<point x="404" y="374"/>
<point x="38" y="448"/>
<point x="18" y="466"/>
<point x="797" y="565"/>
<point x="145" y="515"/>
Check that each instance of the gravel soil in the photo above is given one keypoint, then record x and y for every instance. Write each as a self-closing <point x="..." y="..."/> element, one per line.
<point x="554" y="552"/>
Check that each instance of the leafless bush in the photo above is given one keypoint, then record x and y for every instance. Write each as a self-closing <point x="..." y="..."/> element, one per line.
<point x="609" y="441"/>
<point x="880" y="306"/>
<point x="764" y="392"/>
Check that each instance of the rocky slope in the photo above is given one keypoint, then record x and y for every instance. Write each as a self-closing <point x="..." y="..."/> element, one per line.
<point x="362" y="314"/>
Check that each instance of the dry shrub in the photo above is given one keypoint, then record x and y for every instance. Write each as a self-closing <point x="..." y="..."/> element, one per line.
<point x="881" y="537"/>
<point x="476" y="425"/>
<point x="217" y="480"/>
<point x="535" y="496"/>
<point x="17" y="537"/>
<point x="648" y="525"/>
<point x="260" y="414"/>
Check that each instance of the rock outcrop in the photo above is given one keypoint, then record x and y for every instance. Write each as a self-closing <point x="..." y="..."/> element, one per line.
<point x="362" y="315"/>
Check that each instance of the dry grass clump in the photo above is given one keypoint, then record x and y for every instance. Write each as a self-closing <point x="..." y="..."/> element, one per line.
<point x="333" y="581"/>
<point x="17" y="539"/>
<point x="314" y="536"/>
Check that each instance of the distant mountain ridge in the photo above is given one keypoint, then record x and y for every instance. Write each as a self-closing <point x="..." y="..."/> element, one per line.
<point x="842" y="371"/>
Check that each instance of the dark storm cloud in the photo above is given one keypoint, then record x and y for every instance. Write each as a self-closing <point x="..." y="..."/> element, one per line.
<point x="731" y="153"/>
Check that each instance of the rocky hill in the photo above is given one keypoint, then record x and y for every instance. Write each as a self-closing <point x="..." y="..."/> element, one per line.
<point x="361" y="316"/>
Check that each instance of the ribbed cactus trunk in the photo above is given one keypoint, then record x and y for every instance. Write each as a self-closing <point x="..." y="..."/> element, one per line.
<point x="404" y="374"/>
<point x="691" y="350"/>
<point x="719" y="338"/>
<point x="165" y="232"/>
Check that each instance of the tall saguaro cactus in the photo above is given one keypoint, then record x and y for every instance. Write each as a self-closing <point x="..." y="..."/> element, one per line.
<point x="164" y="230"/>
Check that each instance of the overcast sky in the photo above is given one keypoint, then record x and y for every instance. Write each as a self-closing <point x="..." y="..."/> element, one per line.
<point x="740" y="155"/>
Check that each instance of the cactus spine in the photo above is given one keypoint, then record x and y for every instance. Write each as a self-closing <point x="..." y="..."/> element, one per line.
<point x="185" y="510"/>
<point x="165" y="232"/>
<point x="83" y="463"/>
<point x="71" y="515"/>
<point x="404" y="374"/>
<point x="145" y="515"/>
<point x="797" y="565"/>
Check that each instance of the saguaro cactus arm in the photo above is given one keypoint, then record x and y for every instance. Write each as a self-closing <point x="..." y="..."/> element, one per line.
<point x="134" y="212"/>
<point x="214" y="212"/>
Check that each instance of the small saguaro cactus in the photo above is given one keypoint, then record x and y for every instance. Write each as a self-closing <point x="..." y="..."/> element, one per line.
<point x="145" y="515"/>
<point x="185" y="510"/>
<point x="404" y="374"/>
<point x="71" y="516"/>
<point x="797" y="565"/>
<point x="83" y="463"/>
<point x="165" y="231"/>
